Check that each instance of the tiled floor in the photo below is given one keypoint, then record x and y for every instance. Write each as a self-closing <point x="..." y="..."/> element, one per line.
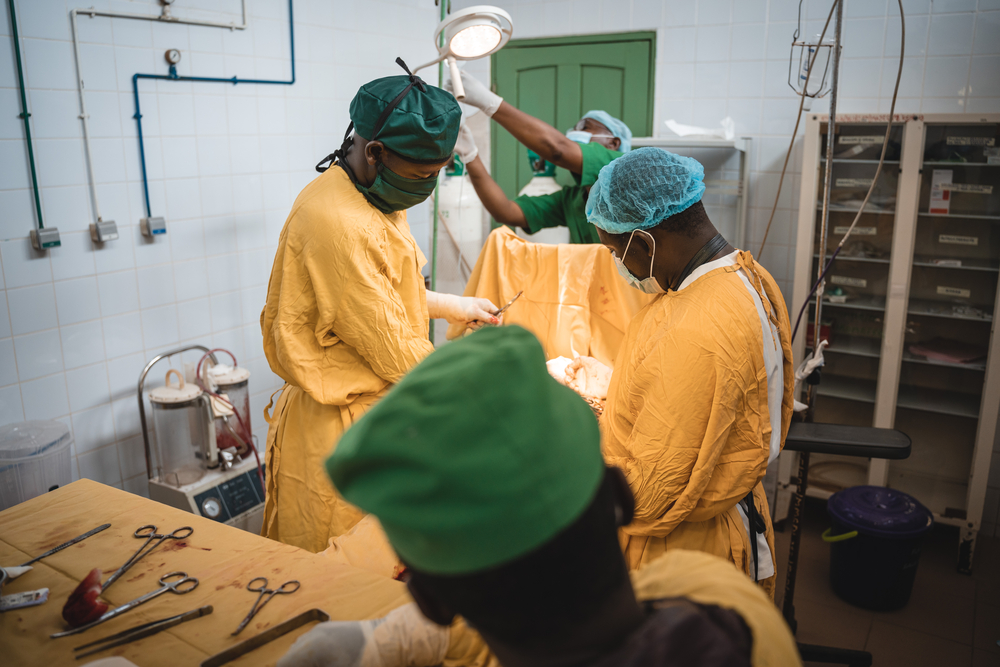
<point x="952" y="620"/>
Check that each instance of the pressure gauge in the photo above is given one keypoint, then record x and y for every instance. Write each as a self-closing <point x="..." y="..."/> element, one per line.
<point x="211" y="507"/>
<point x="173" y="56"/>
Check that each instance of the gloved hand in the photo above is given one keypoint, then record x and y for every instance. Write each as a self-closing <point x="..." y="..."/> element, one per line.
<point x="472" y="311"/>
<point x="466" y="145"/>
<point x="588" y="377"/>
<point x="404" y="638"/>
<point x="476" y="94"/>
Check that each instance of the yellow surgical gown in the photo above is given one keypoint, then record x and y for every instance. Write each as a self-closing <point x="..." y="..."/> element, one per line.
<point x="687" y="416"/>
<point x="346" y="317"/>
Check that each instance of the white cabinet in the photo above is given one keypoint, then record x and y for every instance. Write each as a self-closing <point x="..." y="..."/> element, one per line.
<point x="909" y="304"/>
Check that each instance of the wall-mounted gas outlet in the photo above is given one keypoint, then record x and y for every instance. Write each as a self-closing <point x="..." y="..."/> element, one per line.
<point x="103" y="231"/>
<point x="152" y="227"/>
<point x="43" y="239"/>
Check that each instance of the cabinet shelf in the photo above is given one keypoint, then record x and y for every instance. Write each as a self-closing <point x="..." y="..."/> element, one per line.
<point x="914" y="359"/>
<point x="980" y="265"/>
<point x="876" y="303"/>
<point x="851" y="389"/>
<point x="939" y="401"/>
<point x="841" y="160"/>
<point x="866" y="347"/>
<point x="870" y="209"/>
<point x="958" y="164"/>
<point x="848" y="258"/>
<point x="957" y="216"/>
<point x="936" y="309"/>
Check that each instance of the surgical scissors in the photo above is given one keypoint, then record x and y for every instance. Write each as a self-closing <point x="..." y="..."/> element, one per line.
<point x="262" y="600"/>
<point x="152" y="537"/>
<point x="168" y="582"/>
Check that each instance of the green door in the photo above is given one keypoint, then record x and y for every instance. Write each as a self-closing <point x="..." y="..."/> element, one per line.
<point x="558" y="80"/>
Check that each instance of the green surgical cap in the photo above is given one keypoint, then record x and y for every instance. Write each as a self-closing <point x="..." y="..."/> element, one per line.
<point x="475" y="458"/>
<point x="642" y="189"/>
<point x="423" y="127"/>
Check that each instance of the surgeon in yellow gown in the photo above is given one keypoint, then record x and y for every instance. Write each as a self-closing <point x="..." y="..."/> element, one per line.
<point x="347" y="312"/>
<point x="700" y="398"/>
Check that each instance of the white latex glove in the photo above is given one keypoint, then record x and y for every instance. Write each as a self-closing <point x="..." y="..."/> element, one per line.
<point x="588" y="377"/>
<point x="472" y="311"/>
<point x="476" y="94"/>
<point x="557" y="368"/>
<point x="404" y="638"/>
<point x="466" y="145"/>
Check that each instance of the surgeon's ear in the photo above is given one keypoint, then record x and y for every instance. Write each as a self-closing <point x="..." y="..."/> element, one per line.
<point x="430" y="606"/>
<point x="373" y="151"/>
<point x="615" y="144"/>
<point x="624" y="500"/>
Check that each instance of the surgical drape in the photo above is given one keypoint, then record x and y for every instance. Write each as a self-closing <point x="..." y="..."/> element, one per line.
<point x="687" y="415"/>
<point x="346" y="317"/>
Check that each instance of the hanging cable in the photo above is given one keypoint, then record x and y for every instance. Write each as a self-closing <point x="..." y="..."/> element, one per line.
<point x="24" y="113"/>
<point x="871" y="188"/>
<point x="798" y="120"/>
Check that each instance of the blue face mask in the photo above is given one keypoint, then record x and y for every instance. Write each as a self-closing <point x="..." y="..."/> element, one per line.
<point x="648" y="285"/>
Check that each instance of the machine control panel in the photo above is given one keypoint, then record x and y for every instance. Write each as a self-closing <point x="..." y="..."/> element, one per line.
<point x="231" y="498"/>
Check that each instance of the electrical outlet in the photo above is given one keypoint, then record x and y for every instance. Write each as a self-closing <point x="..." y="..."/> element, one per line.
<point x="103" y="231"/>
<point x="43" y="239"/>
<point x="153" y="227"/>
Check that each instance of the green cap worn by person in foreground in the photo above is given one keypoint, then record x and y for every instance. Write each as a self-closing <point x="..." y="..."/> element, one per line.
<point x="460" y="491"/>
<point x="422" y="127"/>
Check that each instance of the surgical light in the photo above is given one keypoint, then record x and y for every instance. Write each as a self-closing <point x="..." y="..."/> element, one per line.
<point x="468" y="34"/>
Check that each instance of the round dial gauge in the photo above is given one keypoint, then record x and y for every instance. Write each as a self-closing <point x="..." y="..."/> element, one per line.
<point x="173" y="56"/>
<point x="211" y="507"/>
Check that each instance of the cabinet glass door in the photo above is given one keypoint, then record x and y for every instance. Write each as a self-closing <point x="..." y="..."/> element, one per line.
<point x="953" y="289"/>
<point x="854" y="299"/>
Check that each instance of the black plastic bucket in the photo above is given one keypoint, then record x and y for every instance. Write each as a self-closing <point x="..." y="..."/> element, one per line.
<point x="875" y="545"/>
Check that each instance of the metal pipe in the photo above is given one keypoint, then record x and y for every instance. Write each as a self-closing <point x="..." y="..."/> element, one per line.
<point x="164" y="17"/>
<point x="142" y="405"/>
<point x="434" y="221"/>
<point x="172" y="76"/>
<point x="24" y="113"/>
<point x="828" y="172"/>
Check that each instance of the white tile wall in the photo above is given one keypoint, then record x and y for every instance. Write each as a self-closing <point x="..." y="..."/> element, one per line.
<point x="78" y="324"/>
<point x="730" y="57"/>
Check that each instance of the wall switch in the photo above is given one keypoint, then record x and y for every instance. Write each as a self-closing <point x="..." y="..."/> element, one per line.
<point x="152" y="227"/>
<point x="43" y="239"/>
<point x="103" y="231"/>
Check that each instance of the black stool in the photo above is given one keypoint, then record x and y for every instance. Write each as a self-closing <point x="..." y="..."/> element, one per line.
<point x="806" y="438"/>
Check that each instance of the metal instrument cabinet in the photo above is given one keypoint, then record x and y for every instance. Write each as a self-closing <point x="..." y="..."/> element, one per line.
<point x="909" y="305"/>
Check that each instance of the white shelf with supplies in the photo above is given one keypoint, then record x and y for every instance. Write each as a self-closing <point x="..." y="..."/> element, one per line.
<point x="726" y="187"/>
<point x="909" y="303"/>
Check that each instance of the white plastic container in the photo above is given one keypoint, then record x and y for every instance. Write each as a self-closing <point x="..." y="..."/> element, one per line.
<point x="35" y="457"/>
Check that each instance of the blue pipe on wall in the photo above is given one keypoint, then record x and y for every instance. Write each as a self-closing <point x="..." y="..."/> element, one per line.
<point x="172" y="76"/>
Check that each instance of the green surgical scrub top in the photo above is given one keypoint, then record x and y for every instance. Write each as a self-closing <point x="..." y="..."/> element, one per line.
<point x="566" y="207"/>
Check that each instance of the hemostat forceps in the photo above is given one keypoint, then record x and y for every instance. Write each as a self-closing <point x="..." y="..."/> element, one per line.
<point x="153" y="540"/>
<point x="265" y="596"/>
<point x="175" y="582"/>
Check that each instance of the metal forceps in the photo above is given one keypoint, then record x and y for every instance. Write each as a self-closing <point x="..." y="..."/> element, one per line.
<point x="153" y="540"/>
<point x="177" y="583"/>
<point x="265" y="596"/>
<point x="509" y="304"/>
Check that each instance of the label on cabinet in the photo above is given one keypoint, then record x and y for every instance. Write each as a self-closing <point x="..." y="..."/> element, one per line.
<point x="954" y="291"/>
<point x="940" y="197"/>
<point x="858" y="231"/>
<point x="853" y="182"/>
<point x="954" y="239"/>
<point x="971" y="141"/>
<point x="868" y="139"/>
<point x="972" y="188"/>
<point x="849" y="281"/>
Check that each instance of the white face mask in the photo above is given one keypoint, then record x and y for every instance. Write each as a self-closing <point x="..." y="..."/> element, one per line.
<point x="648" y="285"/>
<point x="581" y="137"/>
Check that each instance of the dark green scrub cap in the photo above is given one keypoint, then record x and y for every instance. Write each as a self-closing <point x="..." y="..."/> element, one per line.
<point x="475" y="458"/>
<point x="422" y="127"/>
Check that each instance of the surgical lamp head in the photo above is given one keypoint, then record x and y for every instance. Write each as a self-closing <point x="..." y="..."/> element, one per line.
<point x="469" y="34"/>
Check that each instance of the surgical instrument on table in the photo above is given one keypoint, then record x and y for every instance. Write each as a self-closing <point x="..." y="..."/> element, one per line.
<point x="152" y="537"/>
<point x="168" y="582"/>
<point x="141" y="631"/>
<point x="509" y="304"/>
<point x="265" y="595"/>
<point x="266" y="637"/>
<point x="62" y="546"/>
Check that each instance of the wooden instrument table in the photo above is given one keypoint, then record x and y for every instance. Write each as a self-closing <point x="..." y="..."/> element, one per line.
<point x="222" y="558"/>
